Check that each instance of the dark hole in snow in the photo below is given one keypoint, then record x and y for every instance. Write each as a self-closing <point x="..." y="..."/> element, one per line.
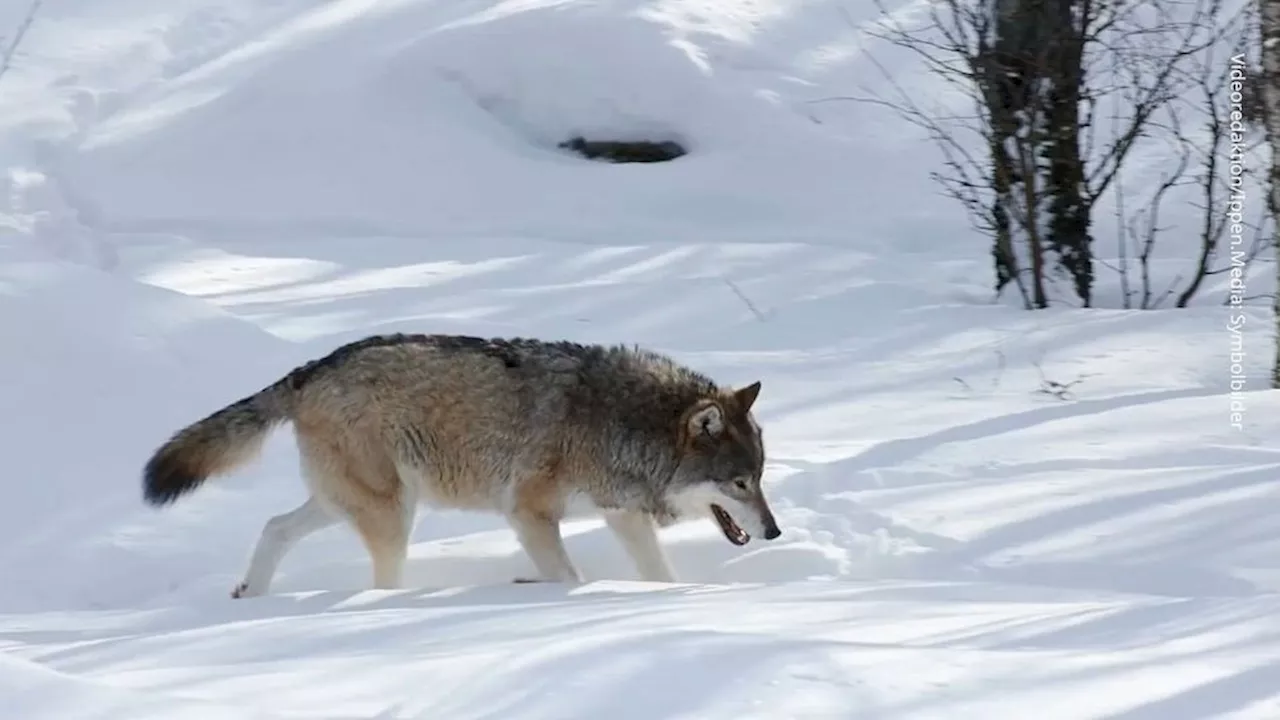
<point x="619" y="151"/>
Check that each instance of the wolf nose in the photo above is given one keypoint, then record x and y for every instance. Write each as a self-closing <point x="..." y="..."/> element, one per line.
<point x="771" y="532"/>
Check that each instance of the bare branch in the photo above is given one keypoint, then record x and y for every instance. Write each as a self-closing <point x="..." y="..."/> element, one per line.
<point x="11" y="49"/>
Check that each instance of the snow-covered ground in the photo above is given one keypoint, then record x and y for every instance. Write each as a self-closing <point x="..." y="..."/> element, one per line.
<point x="987" y="513"/>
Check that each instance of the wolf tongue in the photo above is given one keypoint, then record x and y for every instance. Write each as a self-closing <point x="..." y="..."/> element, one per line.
<point x="732" y="532"/>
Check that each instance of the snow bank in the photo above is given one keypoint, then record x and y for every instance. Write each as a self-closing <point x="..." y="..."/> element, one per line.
<point x="92" y="359"/>
<point x="33" y="692"/>
<point x="416" y="117"/>
<point x="906" y="651"/>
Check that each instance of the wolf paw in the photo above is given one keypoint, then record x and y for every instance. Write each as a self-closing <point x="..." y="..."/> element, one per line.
<point x="525" y="581"/>
<point x="241" y="591"/>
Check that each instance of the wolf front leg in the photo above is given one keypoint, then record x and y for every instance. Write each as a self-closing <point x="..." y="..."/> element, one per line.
<point x="639" y="538"/>
<point x="278" y="536"/>
<point x="539" y="535"/>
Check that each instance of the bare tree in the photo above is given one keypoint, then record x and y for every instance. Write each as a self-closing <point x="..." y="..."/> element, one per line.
<point x="1197" y="130"/>
<point x="1027" y="66"/>
<point x="1062" y="91"/>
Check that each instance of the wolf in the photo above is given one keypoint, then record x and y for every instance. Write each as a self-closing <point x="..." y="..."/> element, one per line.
<point x="535" y="430"/>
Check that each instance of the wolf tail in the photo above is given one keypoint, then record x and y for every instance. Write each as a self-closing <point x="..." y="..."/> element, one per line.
<point x="216" y="445"/>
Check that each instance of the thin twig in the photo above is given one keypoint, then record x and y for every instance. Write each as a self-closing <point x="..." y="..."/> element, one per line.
<point x="746" y="300"/>
<point x="6" y="59"/>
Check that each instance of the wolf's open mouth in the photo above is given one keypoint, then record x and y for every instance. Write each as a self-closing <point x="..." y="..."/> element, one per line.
<point x="732" y="532"/>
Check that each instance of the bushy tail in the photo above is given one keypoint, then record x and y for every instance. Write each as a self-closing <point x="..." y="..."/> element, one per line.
<point x="215" y="445"/>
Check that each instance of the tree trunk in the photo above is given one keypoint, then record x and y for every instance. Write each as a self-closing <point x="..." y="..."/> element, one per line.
<point x="1269" y="14"/>
<point x="1008" y="76"/>
<point x="1004" y="125"/>
<point x="1030" y="69"/>
<point x="1069" y="210"/>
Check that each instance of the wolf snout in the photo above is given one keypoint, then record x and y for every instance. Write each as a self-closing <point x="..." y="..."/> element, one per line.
<point x="768" y="524"/>
<point x="771" y="530"/>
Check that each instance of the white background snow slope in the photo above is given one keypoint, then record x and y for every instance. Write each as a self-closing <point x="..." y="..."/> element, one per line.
<point x="200" y="194"/>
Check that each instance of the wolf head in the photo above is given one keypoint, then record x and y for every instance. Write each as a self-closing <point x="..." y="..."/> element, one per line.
<point x="721" y="464"/>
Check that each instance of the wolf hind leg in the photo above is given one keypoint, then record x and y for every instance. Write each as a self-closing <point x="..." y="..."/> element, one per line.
<point x="385" y="529"/>
<point x="363" y="485"/>
<point x="539" y="536"/>
<point x="279" y="535"/>
<point x="639" y="538"/>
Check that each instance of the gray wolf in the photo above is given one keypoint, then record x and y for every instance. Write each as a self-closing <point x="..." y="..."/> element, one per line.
<point x="527" y="428"/>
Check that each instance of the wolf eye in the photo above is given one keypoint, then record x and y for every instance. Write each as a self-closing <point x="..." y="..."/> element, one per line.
<point x="740" y="483"/>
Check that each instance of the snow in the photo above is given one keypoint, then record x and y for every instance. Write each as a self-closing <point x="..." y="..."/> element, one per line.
<point x="987" y="513"/>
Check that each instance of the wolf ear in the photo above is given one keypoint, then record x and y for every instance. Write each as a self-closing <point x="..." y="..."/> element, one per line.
<point x="706" y="420"/>
<point x="746" y="397"/>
